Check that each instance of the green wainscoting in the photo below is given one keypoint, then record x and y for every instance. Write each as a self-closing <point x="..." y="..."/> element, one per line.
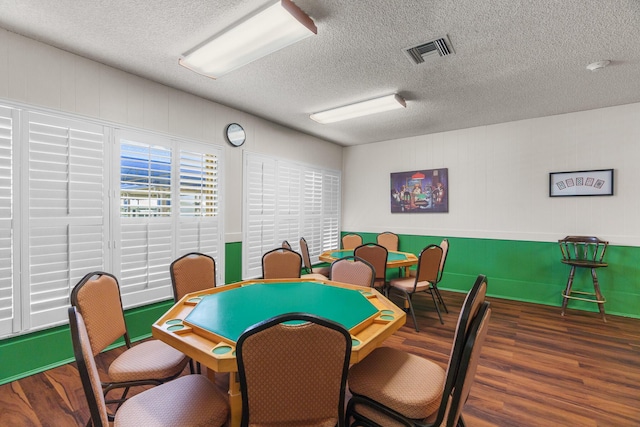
<point x="532" y="271"/>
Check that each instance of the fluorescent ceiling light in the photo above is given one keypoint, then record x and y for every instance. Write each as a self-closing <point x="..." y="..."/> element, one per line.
<point x="258" y="35"/>
<point x="372" y="106"/>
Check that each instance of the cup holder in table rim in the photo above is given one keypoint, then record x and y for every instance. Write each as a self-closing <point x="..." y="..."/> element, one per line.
<point x="387" y="315"/>
<point x="223" y="349"/>
<point x="176" y="325"/>
<point x="366" y="293"/>
<point x="194" y="300"/>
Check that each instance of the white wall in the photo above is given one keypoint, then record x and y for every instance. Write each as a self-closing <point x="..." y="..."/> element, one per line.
<point x="499" y="179"/>
<point x="40" y="75"/>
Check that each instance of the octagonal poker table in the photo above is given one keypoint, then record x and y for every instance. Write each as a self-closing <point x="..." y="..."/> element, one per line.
<point x="206" y="325"/>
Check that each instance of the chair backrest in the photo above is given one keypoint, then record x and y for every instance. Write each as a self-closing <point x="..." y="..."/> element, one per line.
<point x="281" y="263"/>
<point x="445" y="251"/>
<point x="583" y="248"/>
<point x="87" y="368"/>
<point x="286" y="245"/>
<point x="191" y="273"/>
<point x="293" y="373"/>
<point x="353" y="270"/>
<point x="97" y="298"/>
<point x="472" y="302"/>
<point x="375" y="255"/>
<point x="306" y="259"/>
<point x="389" y="240"/>
<point x="469" y="363"/>
<point x="429" y="264"/>
<point x="351" y="241"/>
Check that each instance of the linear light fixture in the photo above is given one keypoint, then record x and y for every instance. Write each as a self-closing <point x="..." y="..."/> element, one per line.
<point x="265" y="31"/>
<point x="372" y="106"/>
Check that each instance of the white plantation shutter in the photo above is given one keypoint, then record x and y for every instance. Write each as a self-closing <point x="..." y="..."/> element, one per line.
<point x="331" y="212"/>
<point x="288" y="202"/>
<point x="306" y="203"/>
<point x="146" y="225"/>
<point x="7" y="294"/>
<point x="200" y="220"/>
<point x="260" y="212"/>
<point x="66" y="205"/>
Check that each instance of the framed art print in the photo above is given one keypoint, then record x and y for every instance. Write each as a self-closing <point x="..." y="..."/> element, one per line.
<point x="420" y="191"/>
<point x="581" y="183"/>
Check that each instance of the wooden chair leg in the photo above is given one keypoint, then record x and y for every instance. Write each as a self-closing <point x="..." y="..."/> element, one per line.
<point x="567" y="291"/>
<point x="599" y="297"/>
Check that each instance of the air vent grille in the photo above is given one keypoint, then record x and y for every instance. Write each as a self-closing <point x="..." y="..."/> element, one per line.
<point x="435" y="48"/>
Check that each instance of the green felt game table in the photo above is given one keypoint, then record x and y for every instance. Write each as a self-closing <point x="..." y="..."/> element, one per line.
<point x="394" y="259"/>
<point x="206" y="325"/>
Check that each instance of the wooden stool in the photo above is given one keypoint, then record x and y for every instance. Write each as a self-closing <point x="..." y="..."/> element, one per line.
<point x="583" y="252"/>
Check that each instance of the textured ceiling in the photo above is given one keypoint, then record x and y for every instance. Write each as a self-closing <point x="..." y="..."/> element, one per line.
<point x="513" y="59"/>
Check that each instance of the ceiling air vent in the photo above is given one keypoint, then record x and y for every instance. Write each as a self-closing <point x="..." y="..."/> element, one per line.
<point x="439" y="47"/>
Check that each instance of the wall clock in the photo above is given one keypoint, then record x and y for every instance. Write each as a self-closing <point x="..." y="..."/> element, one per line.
<point x="235" y="134"/>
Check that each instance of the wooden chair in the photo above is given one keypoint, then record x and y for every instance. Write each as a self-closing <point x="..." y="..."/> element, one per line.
<point x="583" y="252"/>
<point x="281" y="263"/>
<point x="351" y="241"/>
<point x="191" y="400"/>
<point x="319" y="272"/>
<point x="393" y="387"/>
<point x="425" y="280"/>
<point x="191" y="273"/>
<point x="152" y="362"/>
<point x="389" y="240"/>
<point x="293" y="371"/>
<point x="353" y="270"/>
<point x="375" y="255"/>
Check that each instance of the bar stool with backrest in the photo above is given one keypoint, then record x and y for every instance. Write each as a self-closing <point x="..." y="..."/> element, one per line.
<point x="281" y="263"/>
<point x="191" y="400"/>
<point x="151" y="362"/>
<point x="351" y="241"/>
<point x="425" y="280"/>
<point x="583" y="252"/>
<point x="391" y="387"/>
<point x="293" y="371"/>
<point x="353" y="270"/>
<point x="375" y="255"/>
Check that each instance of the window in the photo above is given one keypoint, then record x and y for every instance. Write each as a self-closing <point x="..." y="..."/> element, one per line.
<point x="71" y="204"/>
<point x="286" y="201"/>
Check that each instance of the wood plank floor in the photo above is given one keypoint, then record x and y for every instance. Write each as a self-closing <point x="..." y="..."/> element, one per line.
<point x="537" y="369"/>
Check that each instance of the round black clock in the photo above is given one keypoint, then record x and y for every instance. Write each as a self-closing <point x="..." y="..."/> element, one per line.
<point x="235" y="134"/>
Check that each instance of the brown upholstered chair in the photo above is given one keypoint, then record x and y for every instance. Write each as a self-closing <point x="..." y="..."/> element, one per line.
<point x="394" y="388"/>
<point x="192" y="272"/>
<point x="319" y="272"/>
<point x="190" y="400"/>
<point x="353" y="270"/>
<point x="286" y="245"/>
<point x="293" y="373"/>
<point x="389" y="240"/>
<point x="281" y="263"/>
<point x="424" y="281"/>
<point x="152" y="362"/>
<point x="445" y="251"/>
<point x="375" y="255"/>
<point x="351" y="241"/>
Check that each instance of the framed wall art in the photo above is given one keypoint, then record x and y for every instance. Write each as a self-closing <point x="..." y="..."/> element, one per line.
<point x="420" y="191"/>
<point x="581" y="183"/>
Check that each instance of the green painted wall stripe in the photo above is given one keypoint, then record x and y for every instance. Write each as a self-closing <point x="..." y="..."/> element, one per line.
<point x="532" y="271"/>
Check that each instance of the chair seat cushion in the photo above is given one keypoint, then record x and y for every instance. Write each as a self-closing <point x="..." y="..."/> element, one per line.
<point x="151" y="359"/>
<point x="406" y="383"/>
<point x="191" y="400"/>
<point x="406" y="284"/>
<point x="322" y="270"/>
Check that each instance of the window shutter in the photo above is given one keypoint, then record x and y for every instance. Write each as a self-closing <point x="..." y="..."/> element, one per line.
<point x="312" y="218"/>
<point x="288" y="204"/>
<point x="146" y="228"/>
<point x="199" y="221"/>
<point x="66" y="204"/>
<point x="260" y="211"/>
<point x="331" y="212"/>
<point x="7" y="299"/>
